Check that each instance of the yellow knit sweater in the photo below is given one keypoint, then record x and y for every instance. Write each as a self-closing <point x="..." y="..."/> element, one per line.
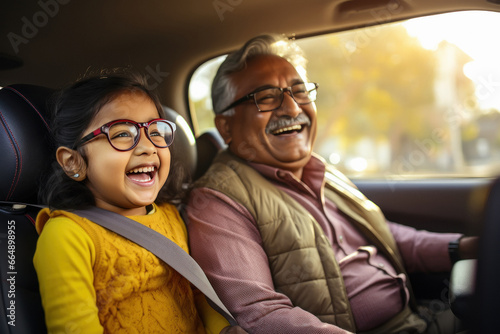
<point x="93" y="280"/>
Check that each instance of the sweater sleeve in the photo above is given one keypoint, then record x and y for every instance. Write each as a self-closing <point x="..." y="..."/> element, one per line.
<point x="63" y="260"/>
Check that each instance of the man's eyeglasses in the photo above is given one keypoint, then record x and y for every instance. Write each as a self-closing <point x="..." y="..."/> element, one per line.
<point x="269" y="99"/>
<point x="123" y="134"/>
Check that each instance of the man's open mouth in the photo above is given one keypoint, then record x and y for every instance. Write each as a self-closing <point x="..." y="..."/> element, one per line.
<point x="142" y="174"/>
<point x="288" y="129"/>
<point x="287" y="125"/>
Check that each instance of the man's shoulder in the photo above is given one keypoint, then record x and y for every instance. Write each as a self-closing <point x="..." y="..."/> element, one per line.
<point x="225" y="170"/>
<point x="337" y="181"/>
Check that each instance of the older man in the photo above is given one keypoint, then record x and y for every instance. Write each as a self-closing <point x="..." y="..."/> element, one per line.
<point x="290" y="245"/>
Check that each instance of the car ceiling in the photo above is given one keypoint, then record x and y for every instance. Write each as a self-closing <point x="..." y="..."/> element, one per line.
<point x="170" y="38"/>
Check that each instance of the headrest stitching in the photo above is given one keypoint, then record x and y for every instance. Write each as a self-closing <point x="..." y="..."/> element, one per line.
<point x="18" y="156"/>
<point x="31" y="104"/>
<point x="30" y="219"/>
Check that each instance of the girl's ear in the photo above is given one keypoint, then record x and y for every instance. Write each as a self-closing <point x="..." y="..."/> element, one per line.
<point x="72" y="163"/>
<point x="224" y="128"/>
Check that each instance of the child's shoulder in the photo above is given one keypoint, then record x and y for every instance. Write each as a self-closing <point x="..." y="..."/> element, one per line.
<point x="61" y="224"/>
<point x="58" y="218"/>
<point x="63" y="241"/>
<point x="61" y="232"/>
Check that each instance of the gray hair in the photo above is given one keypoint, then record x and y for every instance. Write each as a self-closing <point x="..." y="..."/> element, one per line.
<point x="223" y="90"/>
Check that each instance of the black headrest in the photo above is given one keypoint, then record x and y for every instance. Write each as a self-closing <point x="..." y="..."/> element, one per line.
<point x="25" y="144"/>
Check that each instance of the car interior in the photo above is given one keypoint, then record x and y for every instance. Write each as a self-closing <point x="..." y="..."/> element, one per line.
<point x="48" y="44"/>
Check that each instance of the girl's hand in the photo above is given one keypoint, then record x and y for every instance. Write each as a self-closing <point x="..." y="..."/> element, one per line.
<point x="233" y="330"/>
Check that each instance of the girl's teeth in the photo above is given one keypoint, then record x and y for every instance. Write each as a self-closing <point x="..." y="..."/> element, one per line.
<point x="143" y="170"/>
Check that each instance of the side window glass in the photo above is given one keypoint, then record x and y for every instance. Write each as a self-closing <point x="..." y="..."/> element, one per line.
<point x="200" y="100"/>
<point x="416" y="98"/>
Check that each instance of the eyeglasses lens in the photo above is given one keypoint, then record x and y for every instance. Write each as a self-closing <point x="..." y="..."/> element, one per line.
<point x="271" y="99"/>
<point x="123" y="136"/>
<point x="161" y="134"/>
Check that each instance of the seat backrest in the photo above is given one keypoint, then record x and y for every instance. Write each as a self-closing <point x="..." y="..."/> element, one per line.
<point x="208" y="144"/>
<point x="26" y="150"/>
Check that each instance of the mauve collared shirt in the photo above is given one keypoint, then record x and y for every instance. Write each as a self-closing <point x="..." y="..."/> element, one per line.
<point x="226" y="242"/>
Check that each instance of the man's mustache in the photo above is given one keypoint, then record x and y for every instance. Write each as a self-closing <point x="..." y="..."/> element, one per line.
<point x="285" y="121"/>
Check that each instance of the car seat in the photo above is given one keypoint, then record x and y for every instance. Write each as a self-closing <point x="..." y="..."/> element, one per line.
<point x="208" y="144"/>
<point x="27" y="151"/>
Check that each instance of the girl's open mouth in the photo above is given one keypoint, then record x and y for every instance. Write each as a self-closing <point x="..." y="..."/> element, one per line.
<point x="142" y="175"/>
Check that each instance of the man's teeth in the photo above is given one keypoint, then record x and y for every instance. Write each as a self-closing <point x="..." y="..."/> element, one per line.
<point x="142" y="170"/>
<point x="287" y="129"/>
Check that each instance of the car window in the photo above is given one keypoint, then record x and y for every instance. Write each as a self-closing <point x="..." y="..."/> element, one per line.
<point x="407" y="99"/>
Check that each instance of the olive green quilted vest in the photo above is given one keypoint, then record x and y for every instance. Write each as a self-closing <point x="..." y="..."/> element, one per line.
<point x="301" y="259"/>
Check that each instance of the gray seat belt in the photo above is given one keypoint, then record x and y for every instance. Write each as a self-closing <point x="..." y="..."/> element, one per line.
<point x="164" y="248"/>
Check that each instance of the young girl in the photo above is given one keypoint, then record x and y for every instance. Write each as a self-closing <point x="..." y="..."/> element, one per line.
<point x="112" y="149"/>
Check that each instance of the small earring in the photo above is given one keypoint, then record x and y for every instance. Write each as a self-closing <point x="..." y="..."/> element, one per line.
<point x="76" y="175"/>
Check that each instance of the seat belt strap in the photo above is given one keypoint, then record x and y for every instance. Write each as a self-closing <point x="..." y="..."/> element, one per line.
<point x="164" y="248"/>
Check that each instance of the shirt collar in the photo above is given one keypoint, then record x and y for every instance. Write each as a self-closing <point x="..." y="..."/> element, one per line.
<point x="312" y="176"/>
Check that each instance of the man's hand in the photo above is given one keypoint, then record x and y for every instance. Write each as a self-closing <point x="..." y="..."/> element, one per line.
<point x="468" y="248"/>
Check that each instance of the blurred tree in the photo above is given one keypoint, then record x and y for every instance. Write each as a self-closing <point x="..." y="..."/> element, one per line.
<point x="376" y="83"/>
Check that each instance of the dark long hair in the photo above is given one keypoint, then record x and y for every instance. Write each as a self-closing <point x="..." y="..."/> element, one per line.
<point x="74" y="108"/>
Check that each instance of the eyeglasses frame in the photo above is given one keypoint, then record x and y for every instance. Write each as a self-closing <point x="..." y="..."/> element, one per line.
<point x="283" y="90"/>
<point x="104" y="129"/>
